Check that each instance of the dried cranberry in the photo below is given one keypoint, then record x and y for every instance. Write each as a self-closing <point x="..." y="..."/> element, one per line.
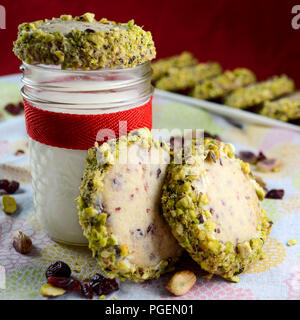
<point x="21" y="105"/>
<point x="209" y="135"/>
<point x="13" y="109"/>
<point x="261" y="156"/>
<point x="158" y="172"/>
<point x="58" y="269"/>
<point x="109" y="286"/>
<point x="275" y="194"/>
<point x="95" y="282"/>
<point x="102" y="285"/>
<point x="137" y="234"/>
<point x="248" y="156"/>
<point x="4" y="184"/>
<point x="86" y="291"/>
<point x="68" y="284"/>
<point x="12" y="187"/>
<point x="118" y="250"/>
<point x="19" y="152"/>
<point x="60" y="282"/>
<point x="151" y="228"/>
<point x="89" y="30"/>
<point x="200" y="218"/>
<point x="75" y="285"/>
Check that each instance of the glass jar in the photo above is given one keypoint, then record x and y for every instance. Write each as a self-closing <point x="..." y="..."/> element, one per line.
<point x="56" y="172"/>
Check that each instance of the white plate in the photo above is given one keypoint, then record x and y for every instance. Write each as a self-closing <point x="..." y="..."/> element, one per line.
<point x="15" y="77"/>
<point x="228" y="112"/>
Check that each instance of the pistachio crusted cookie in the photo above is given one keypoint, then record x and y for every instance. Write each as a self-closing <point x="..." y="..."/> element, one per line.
<point x="256" y="94"/>
<point x="283" y="109"/>
<point x="162" y="66"/>
<point x="211" y="202"/>
<point x="119" y="207"/>
<point x="83" y="42"/>
<point x="188" y="77"/>
<point x="219" y="86"/>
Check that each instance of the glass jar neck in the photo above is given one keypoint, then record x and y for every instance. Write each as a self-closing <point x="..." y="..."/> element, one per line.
<point x="91" y="91"/>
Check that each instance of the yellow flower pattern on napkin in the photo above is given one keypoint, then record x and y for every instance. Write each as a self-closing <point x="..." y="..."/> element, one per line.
<point x="274" y="252"/>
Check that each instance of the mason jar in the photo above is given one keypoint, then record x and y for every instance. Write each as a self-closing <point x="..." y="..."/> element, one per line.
<point x="62" y="110"/>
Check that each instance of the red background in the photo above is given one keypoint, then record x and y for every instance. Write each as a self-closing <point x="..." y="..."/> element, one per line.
<point x="254" y="34"/>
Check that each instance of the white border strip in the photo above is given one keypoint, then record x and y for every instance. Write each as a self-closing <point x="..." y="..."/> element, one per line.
<point x="2" y="278"/>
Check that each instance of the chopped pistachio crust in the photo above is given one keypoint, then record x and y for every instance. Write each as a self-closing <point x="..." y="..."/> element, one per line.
<point x="186" y="210"/>
<point x="258" y="93"/>
<point x="114" y="257"/>
<point x="161" y="67"/>
<point x="223" y="84"/>
<point x="83" y="43"/>
<point x="283" y="109"/>
<point x="188" y="77"/>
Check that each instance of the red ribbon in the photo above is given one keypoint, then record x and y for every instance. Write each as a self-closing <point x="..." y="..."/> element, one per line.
<point x="79" y="131"/>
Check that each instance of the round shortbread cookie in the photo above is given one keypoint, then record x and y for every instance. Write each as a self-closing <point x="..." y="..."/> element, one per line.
<point x="119" y="207"/>
<point x="211" y="202"/>
<point x="83" y="43"/>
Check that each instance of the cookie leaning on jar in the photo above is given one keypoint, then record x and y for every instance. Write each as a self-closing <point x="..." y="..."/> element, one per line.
<point x="211" y="202"/>
<point x="119" y="207"/>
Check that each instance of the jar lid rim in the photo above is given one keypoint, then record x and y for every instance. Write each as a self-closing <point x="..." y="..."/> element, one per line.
<point x="53" y="68"/>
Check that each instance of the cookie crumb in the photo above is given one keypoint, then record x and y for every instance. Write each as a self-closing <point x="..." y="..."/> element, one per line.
<point x="234" y="279"/>
<point x="9" y="204"/>
<point x="292" y="242"/>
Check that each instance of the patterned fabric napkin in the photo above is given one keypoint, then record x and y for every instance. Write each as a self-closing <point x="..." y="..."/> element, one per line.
<point x="275" y="277"/>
